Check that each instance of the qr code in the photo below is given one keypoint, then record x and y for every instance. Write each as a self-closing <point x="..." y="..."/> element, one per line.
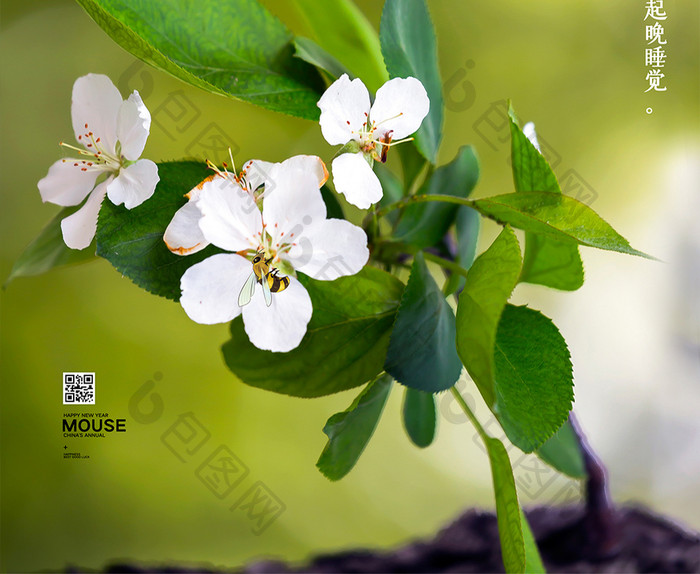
<point x="78" y="388"/>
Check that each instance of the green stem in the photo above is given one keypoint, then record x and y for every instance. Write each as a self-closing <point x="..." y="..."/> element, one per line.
<point x="470" y="414"/>
<point x="421" y="199"/>
<point x="454" y="267"/>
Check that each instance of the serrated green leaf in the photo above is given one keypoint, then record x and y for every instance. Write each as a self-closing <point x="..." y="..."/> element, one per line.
<point x="508" y="511"/>
<point x="342" y="30"/>
<point x="556" y="216"/>
<point x="237" y="49"/>
<point x="489" y="283"/>
<point x="533" y="561"/>
<point x="531" y="172"/>
<point x="48" y="250"/>
<point x="333" y="207"/>
<point x="409" y="47"/>
<point x="425" y="224"/>
<point x="534" y="377"/>
<point x="419" y="417"/>
<point x="349" y="432"/>
<point x="311" y="52"/>
<point x="421" y="352"/>
<point x="132" y="239"/>
<point x="563" y="452"/>
<point x="546" y="261"/>
<point x="345" y="343"/>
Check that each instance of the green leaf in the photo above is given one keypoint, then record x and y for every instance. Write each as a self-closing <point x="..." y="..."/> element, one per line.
<point x="467" y="225"/>
<point x="349" y="432"/>
<point x="489" y="283"/>
<point x="420" y="417"/>
<point x="531" y="172"/>
<point x="341" y="29"/>
<point x="533" y="561"/>
<point x="534" y="377"/>
<point x="345" y="343"/>
<point x="311" y="52"/>
<point x="422" y="353"/>
<point x="508" y="511"/>
<point x="546" y="261"/>
<point x="132" y="239"/>
<point x="237" y="49"/>
<point x="556" y="216"/>
<point x="562" y="451"/>
<point x="425" y="224"/>
<point x="333" y="208"/>
<point x="552" y="263"/>
<point x="48" y="250"/>
<point x="408" y="42"/>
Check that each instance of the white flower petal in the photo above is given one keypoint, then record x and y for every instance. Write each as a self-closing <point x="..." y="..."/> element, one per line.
<point x="258" y="172"/>
<point x="96" y="102"/>
<point x="134" y="184"/>
<point x="196" y="192"/>
<point x="344" y="108"/>
<point x="281" y="326"/>
<point x="531" y="134"/>
<point x="338" y="248"/>
<point x="210" y="289"/>
<point x="293" y="207"/>
<point x="354" y="178"/>
<point x="133" y="126"/>
<point x="79" y="228"/>
<point x="400" y="106"/>
<point x="230" y="218"/>
<point x="66" y="184"/>
<point x="306" y="163"/>
<point x="183" y="235"/>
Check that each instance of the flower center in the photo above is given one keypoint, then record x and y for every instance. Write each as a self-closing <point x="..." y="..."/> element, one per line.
<point x="371" y="145"/>
<point x="365" y="137"/>
<point x="100" y="158"/>
<point x="273" y="243"/>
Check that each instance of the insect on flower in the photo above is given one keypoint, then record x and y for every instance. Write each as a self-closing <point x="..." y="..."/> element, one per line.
<point x="270" y="280"/>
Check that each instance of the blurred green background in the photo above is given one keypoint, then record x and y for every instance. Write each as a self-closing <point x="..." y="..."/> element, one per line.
<point x="577" y="70"/>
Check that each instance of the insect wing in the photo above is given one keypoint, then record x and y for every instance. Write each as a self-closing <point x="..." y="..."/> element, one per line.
<point x="266" y="291"/>
<point x="247" y="291"/>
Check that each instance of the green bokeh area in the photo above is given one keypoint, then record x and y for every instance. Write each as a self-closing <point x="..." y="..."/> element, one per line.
<point x="575" y="67"/>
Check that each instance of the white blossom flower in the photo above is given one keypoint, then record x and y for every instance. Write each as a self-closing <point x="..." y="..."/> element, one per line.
<point x="290" y="234"/>
<point x="112" y="133"/>
<point x="256" y="179"/>
<point x="367" y="132"/>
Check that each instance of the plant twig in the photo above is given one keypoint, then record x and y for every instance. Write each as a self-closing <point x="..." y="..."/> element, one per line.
<point x="381" y="212"/>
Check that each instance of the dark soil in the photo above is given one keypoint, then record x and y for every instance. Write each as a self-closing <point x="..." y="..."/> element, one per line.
<point x="646" y="543"/>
